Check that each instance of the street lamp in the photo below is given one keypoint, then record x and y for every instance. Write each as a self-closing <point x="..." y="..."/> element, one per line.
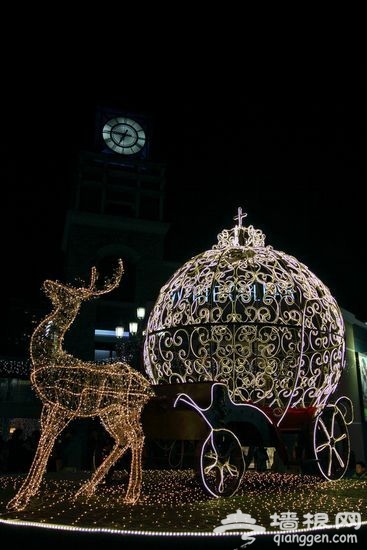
<point x="134" y="344"/>
<point x="129" y="349"/>
<point x="140" y="313"/>
<point x="119" y="332"/>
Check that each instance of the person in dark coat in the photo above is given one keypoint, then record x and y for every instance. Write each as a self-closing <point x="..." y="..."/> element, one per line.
<point x="360" y="471"/>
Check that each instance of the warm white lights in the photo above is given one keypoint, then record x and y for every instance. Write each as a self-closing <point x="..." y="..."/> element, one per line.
<point x="173" y="502"/>
<point x="260" y="322"/>
<point x="254" y="318"/>
<point x="140" y="313"/>
<point x="71" y="388"/>
<point x="119" y="332"/>
<point x="133" y="327"/>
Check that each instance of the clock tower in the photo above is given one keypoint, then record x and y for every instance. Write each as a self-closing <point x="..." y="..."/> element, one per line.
<point x="125" y="133"/>
<point x="117" y="211"/>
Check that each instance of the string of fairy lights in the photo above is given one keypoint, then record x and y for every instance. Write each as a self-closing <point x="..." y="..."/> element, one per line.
<point x="250" y="316"/>
<point x="70" y="388"/>
<point x="261" y="322"/>
<point x="182" y="507"/>
<point x="276" y="337"/>
<point x="15" y="368"/>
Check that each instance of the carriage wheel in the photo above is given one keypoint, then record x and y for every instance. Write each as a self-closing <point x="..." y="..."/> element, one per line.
<point x="331" y="442"/>
<point x="222" y="463"/>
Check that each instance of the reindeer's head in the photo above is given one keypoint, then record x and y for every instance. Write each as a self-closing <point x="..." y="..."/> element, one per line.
<point x="62" y="294"/>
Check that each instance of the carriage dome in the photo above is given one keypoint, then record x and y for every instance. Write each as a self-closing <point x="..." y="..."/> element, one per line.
<point x="252" y="317"/>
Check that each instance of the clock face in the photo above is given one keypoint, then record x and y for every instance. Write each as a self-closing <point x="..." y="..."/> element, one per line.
<point x="124" y="135"/>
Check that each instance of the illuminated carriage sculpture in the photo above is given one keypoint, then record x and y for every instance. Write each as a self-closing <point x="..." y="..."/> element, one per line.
<point x="265" y="335"/>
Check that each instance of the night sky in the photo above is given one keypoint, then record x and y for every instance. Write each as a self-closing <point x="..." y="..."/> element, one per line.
<point x="287" y="146"/>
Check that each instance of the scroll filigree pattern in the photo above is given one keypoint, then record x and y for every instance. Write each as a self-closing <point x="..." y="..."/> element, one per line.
<point x="252" y="317"/>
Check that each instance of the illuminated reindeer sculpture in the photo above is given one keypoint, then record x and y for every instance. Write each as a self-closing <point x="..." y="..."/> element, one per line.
<point x="71" y="388"/>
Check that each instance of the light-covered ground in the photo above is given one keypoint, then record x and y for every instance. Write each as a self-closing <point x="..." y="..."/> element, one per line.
<point x="175" y="501"/>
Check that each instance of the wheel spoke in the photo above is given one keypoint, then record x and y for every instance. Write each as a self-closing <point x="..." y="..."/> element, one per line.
<point x="331" y="442"/>
<point x="339" y="458"/>
<point x="332" y="431"/>
<point x="322" y="424"/>
<point x="222" y="463"/>
<point x="322" y="447"/>
<point x="330" y="462"/>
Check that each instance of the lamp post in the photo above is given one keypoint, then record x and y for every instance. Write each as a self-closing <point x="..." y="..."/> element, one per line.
<point x="133" y="328"/>
<point x="136" y="340"/>
<point x="129" y="349"/>
<point x="140" y="313"/>
<point x="119" y="333"/>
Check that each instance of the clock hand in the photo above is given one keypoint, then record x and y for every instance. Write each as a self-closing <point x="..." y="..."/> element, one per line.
<point x="122" y="134"/>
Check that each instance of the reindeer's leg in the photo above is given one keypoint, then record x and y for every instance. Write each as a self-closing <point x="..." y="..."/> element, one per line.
<point x="136" y="473"/>
<point x="53" y="421"/>
<point x="112" y="422"/>
<point x="127" y="427"/>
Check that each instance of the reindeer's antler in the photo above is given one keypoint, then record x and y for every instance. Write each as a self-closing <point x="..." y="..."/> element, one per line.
<point x="54" y="289"/>
<point x="93" y="278"/>
<point x="109" y="285"/>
